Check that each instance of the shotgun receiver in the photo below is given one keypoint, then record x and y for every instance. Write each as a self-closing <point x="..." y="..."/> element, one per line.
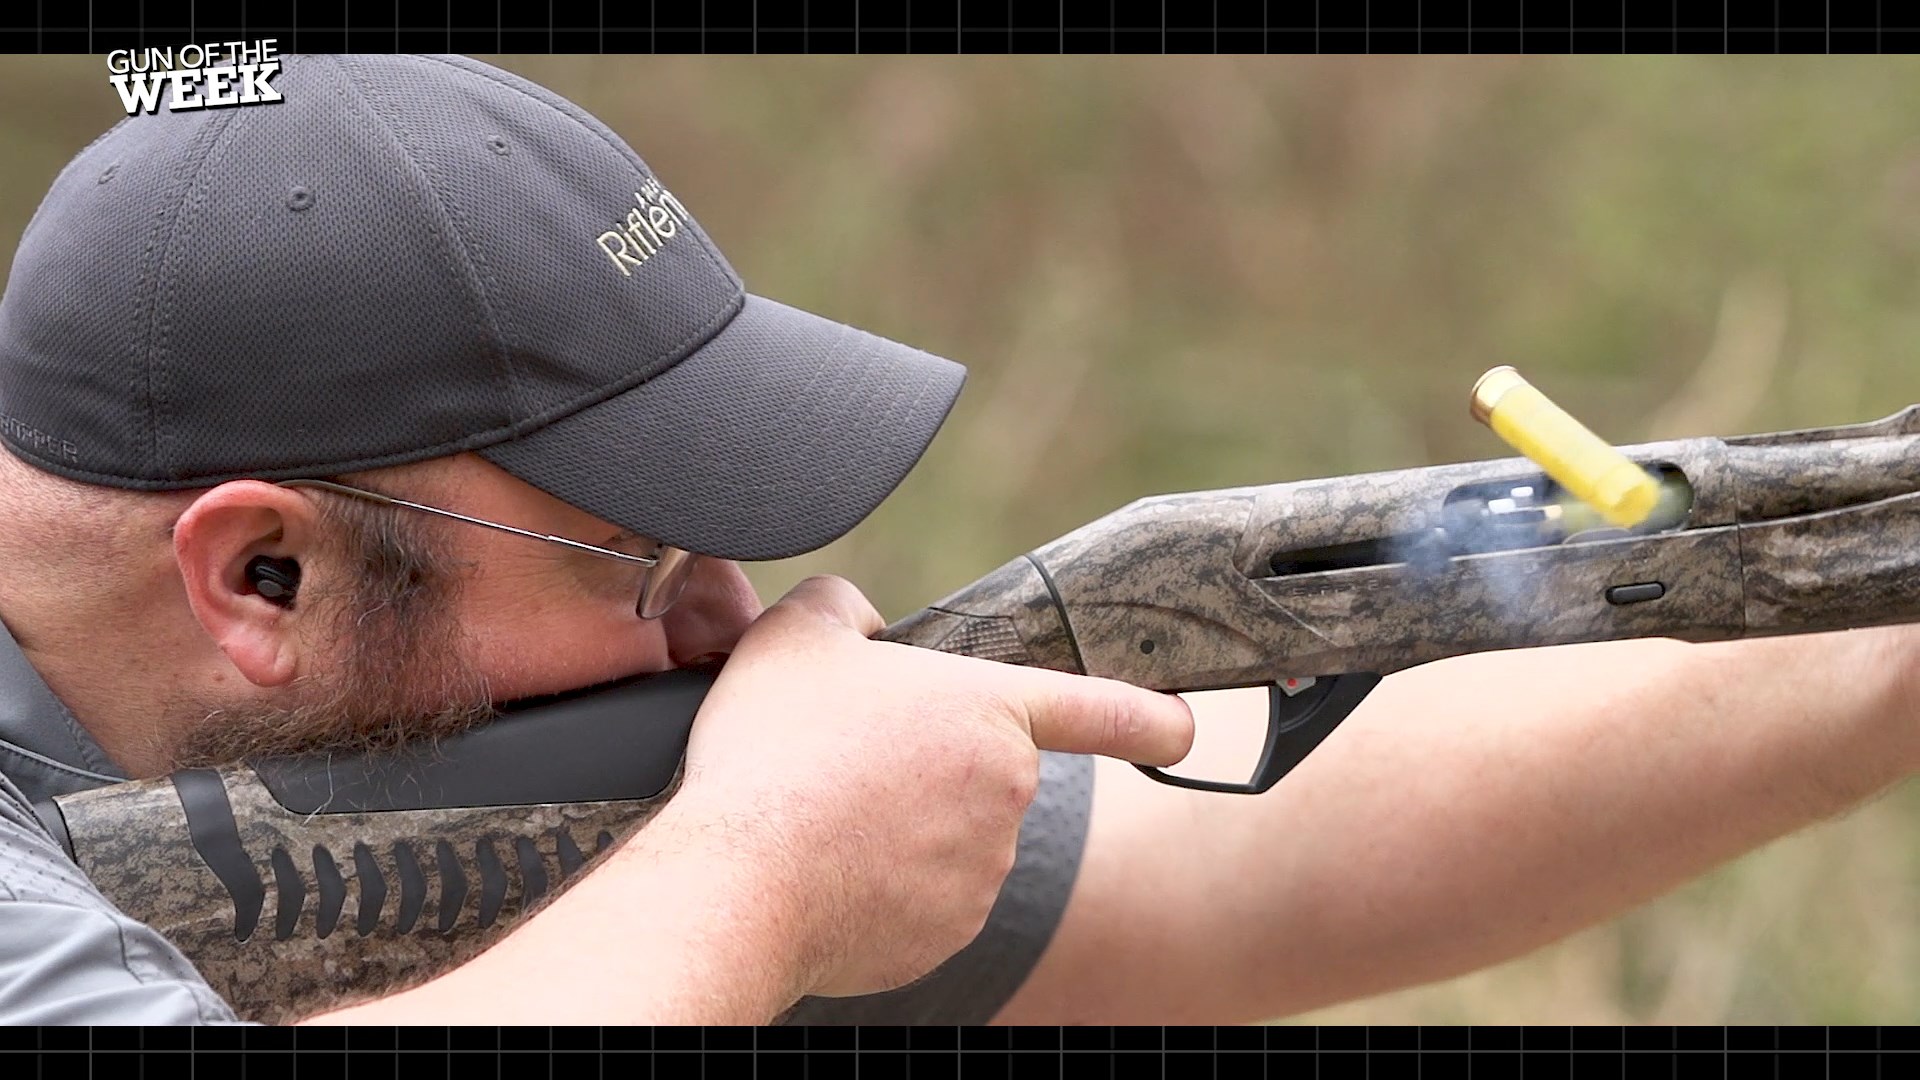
<point x="291" y="881"/>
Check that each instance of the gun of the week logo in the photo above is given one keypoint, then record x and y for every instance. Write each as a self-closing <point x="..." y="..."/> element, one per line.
<point x="210" y="76"/>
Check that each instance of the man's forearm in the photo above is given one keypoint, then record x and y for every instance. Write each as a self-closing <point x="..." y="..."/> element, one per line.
<point x="1470" y="811"/>
<point x="670" y="929"/>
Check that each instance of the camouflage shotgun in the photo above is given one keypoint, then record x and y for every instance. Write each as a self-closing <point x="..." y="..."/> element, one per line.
<point x="384" y="870"/>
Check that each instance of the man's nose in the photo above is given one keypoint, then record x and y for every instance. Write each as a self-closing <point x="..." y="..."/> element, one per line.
<point x="717" y="607"/>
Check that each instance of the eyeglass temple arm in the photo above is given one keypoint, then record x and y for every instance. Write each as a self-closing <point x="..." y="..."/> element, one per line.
<point x="388" y="500"/>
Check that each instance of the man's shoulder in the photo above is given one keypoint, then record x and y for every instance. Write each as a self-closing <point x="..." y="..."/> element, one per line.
<point x="67" y="955"/>
<point x="16" y="813"/>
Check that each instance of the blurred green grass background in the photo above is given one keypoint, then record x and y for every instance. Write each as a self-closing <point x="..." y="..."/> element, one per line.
<point x="1170" y="274"/>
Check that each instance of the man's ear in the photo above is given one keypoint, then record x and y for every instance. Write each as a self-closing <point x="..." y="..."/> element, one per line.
<point x="213" y="541"/>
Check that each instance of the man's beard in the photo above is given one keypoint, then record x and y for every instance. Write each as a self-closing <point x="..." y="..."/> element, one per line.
<point x="406" y="672"/>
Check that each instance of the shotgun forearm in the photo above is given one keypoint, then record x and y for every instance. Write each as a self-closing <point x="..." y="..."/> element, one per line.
<point x="1789" y="533"/>
<point x="291" y="882"/>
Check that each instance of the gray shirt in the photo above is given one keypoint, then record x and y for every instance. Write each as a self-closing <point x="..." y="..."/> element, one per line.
<point x="68" y="956"/>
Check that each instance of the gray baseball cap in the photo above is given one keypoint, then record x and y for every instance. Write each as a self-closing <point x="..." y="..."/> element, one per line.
<point x="414" y="256"/>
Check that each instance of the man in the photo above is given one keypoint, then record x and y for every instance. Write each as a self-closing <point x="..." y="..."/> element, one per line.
<point x="428" y="279"/>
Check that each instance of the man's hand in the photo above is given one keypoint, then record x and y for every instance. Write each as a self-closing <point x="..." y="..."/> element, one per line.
<point x="883" y="785"/>
<point x="849" y="811"/>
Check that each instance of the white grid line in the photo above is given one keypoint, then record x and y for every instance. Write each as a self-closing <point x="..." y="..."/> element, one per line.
<point x="1461" y="33"/>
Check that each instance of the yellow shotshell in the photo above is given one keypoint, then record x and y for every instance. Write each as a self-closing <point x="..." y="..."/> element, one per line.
<point x="1623" y="493"/>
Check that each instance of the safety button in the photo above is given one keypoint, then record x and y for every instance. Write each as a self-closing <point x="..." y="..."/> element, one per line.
<point x="1634" y="594"/>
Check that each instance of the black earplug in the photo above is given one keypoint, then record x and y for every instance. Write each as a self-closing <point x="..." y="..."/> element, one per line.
<point x="276" y="580"/>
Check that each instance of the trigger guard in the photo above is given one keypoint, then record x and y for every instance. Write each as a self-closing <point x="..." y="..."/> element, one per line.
<point x="1296" y="725"/>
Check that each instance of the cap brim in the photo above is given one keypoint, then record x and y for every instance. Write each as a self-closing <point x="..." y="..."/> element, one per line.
<point x="775" y="437"/>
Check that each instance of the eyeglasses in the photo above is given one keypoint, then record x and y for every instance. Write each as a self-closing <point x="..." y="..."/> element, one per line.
<point x="668" y="568"/>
